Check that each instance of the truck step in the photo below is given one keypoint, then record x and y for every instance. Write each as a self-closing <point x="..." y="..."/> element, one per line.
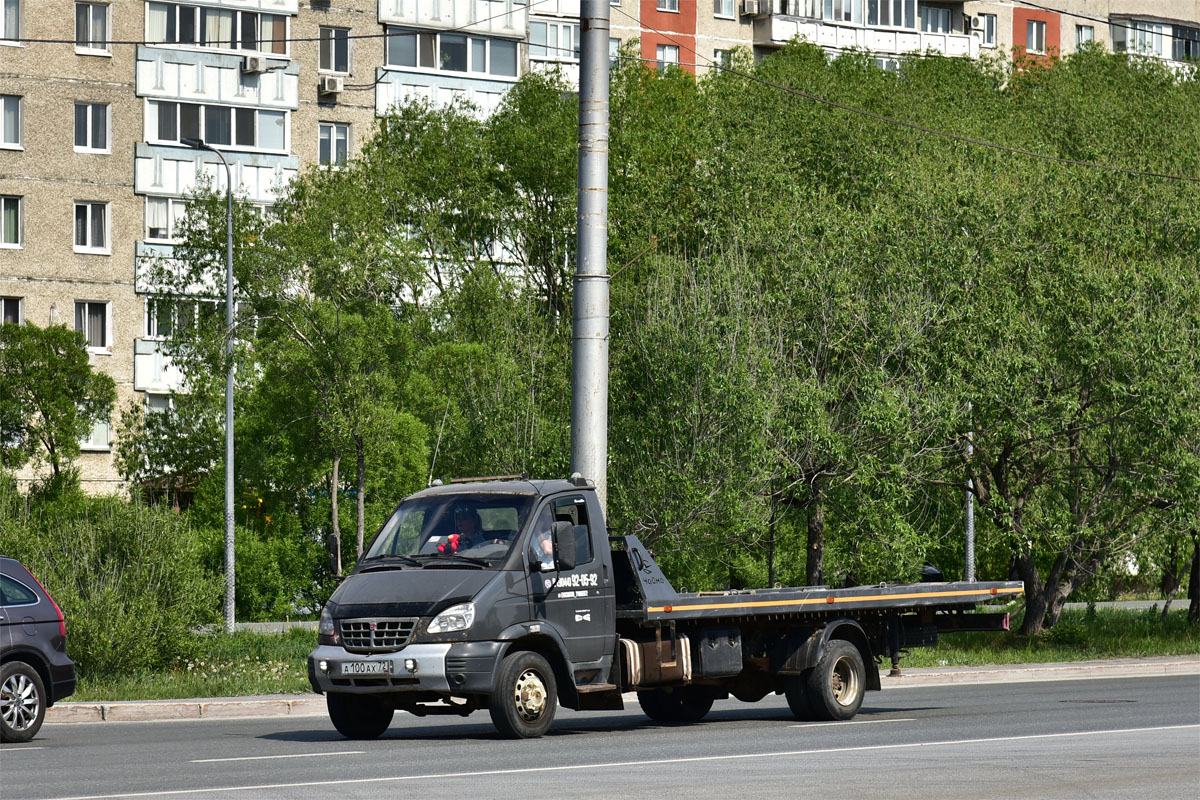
<point x="588" y="688"/>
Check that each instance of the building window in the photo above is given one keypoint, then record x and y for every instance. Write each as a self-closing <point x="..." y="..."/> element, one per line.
<point x="1187" y="43"/>
<point x="334" y="143"/>
<point x="989" y="28"/>
<point x="614" y="51"/>
<point x="91" y="27"/>
<point x="668" y="5"/>
<point x="172" y="23"/>
<point x="91" y="228"/>
<point x="10" y="221"/>
<point x="10" y="123"/>
<point x="451" y="52"/>
<point x="668" y="54"/>
<point x="158" y="403"/>
<point x="1035" y="37"/>
<point x="10" y="21"/>
<point x="335" y="50"/>
<point x="1083" y="34"/>
<point x="934" y="19"/>
<point x="10" y="307"/>
<point x="100" y="437"/>
<point x="554" y="40"/>
<point x="1146" y="38"/>
<point x="885" y="13"/>
<point x="223" y="126"/>
<point x="93" y="320"/>
<point x="723" y="58"/>
<point x="723" y="8"/>
<point x="91" y="127"/>
<point x="164" y="216"/>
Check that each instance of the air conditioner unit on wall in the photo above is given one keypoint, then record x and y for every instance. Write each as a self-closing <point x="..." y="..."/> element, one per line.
<point x="977" y="23"/>
<point x="329" y="84"/>
<point x="254" y="64"/>
<point x="750" y="8"/>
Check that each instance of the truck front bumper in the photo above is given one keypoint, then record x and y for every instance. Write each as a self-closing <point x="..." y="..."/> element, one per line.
<point x="449" y="669"/>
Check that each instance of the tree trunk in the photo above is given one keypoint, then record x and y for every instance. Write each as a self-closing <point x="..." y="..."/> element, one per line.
<point x="1172" y="577"/>
<point x="816" y="543"/>
<point x="335" y="538"/>
<point x="360" y="486"/>
<point x="1194" y="582"/>
<point x="1035" y="600"/>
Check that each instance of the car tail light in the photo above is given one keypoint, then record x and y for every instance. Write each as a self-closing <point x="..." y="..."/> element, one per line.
<point x="62" y="622"/>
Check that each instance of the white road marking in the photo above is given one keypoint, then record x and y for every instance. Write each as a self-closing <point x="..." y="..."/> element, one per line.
<point x="624" y="764"/>
<point x="852" y="722"/>
<point x="272" y="758"/>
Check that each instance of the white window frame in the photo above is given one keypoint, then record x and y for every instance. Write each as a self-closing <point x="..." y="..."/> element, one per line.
<point x="175" y="208"/>
<point x="665" y="53"/>
<point x="989" y="29"/>
<point x="236" y="38"/>
<point x="157" y="107"/>
<point x="426" y="38"/>
<point x="12" y="303"/>
<point x="1035" y="29"/>
<point x="888" y="14"/>
<point x="556" y="51"/>
<point x="99" y="439"/>
<point x="11" y="38"/>
<point x="332" y="42"/>
<point x="89" y="47"/>
<point x="669" y="6"/>
<point x="1081" y="37"/>
<point x="1147" y="38"/>
<point x="8" y="201"/>
<point x="330" y="130"/>
<point x="723" y="57"/>
<point x="168" y="405"/>
<point x="614" y="50"/>
<point x="106" y="345"/>
<point x="90" y="247"/>
<point x="935" y="19"/>
<point x="88" y="147"/>
<point x="8" y="101"/>
<point x="725" y="9"/>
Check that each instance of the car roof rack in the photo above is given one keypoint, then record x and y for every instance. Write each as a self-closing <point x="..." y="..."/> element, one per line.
<point x="524" y="476"/>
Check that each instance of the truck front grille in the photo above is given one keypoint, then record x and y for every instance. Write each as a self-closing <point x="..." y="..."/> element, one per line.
<point x="377" y="634"/>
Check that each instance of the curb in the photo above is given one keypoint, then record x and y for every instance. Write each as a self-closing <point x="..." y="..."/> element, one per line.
<point x="313" y="705"/>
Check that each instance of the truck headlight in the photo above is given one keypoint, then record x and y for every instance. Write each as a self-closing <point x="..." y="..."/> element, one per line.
<point x="454" y="618"/>
<point x="326" y="632"/>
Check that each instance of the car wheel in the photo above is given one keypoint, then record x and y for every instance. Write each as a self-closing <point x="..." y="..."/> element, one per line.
<point x="358" y="716"/>
<point x="526" y="696"/>
<point x="22" y="702"/>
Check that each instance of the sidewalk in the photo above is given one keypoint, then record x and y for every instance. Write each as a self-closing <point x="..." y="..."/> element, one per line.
<point x="314" y="705"/>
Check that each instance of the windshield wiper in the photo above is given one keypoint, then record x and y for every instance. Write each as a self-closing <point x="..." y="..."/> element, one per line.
<point x="456" y="559"/>
<point x="386" y="562"/>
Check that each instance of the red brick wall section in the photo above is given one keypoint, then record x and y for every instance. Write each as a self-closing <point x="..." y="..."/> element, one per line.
<point x="678" y="30"/>
<point x="1021" y="18"/>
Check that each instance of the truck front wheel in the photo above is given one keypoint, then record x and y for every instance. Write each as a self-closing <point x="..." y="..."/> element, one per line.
<point x="835" y="686"/>
<point x="525" y="698"/>
<point x="358" y="716"/>
<point x="684" y="704"/>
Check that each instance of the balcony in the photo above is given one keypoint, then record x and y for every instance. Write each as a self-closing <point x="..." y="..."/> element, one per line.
<point x="775" y="29"/>
<point x="508" y="18"/>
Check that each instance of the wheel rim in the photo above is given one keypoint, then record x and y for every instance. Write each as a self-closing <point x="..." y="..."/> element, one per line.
<point x="18" y="702"/>
<point x="530" y="695"/>
<point x="843" y="680"/>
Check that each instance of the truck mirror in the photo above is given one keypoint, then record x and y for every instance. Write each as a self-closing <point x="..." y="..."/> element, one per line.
<point x="564" y="545"/>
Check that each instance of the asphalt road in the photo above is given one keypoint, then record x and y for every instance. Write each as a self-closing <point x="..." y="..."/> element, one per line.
<point x="1109" y="738"/>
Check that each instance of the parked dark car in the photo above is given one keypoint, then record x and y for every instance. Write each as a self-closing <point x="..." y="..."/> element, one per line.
<point x="35" y="672"/>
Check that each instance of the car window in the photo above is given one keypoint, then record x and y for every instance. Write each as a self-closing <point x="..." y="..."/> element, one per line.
<point x="13" y="593"/>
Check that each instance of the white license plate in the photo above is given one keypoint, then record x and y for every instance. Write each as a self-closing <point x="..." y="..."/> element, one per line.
<point x="366" y="668"/>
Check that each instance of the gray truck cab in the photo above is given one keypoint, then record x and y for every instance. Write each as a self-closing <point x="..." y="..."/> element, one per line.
<point x="494" y="594"/>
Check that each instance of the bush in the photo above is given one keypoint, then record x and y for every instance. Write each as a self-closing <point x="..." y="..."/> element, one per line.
<point x="128" y="578"/>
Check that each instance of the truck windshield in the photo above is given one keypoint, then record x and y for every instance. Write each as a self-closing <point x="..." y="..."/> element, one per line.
<point x="461" y="529"/>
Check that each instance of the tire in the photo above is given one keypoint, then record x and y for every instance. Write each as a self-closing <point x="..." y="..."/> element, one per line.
<point x="358" y="716"/>
<point x="795" y="689"/>
<point x="836" y="685"/>
<point x="525" y="698"/>
<point x="683" y="704"/>
<point x="22" y="702"/>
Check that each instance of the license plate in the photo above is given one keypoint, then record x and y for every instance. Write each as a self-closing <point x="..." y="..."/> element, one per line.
<point x="367" y="668"/>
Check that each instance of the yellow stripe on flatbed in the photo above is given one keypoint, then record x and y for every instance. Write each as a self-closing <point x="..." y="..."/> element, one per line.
<point x="830" y="600"/>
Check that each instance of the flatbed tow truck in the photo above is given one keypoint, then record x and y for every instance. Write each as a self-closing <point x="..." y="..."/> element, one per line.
<point x="436" y="621"/>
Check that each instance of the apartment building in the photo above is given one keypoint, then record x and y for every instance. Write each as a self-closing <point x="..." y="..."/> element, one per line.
<point x="101" y="103"/>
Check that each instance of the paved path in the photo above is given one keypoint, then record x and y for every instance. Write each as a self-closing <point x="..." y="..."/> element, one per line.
<point x="309" y="705"/>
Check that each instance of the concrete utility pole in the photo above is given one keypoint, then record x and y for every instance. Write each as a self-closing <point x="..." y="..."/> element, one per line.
<point x="970" y="556"/>
<point x="589" y="379"/>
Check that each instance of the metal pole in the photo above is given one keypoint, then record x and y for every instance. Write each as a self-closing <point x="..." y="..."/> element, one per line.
<point x="970" y="557"/>
<point x="589" y="386"/>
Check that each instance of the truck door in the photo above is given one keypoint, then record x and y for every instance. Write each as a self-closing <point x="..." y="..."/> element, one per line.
<point x="577" y="602"/>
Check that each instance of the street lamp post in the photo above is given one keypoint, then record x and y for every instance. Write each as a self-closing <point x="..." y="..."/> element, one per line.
<point x="229" y="538"/>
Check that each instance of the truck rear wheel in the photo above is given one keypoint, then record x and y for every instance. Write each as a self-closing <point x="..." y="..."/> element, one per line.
<point x="358" y="716"/>
<point x="525" y="698"/>
<point x="835" y="686"/>
<point x="795" y="689"/>
<point x="684" y="704"/>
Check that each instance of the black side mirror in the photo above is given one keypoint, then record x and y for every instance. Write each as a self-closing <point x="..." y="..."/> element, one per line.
<point x="564" y="545"/>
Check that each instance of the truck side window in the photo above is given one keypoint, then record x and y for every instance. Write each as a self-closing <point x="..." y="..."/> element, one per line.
<point x="574" y="510"/>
